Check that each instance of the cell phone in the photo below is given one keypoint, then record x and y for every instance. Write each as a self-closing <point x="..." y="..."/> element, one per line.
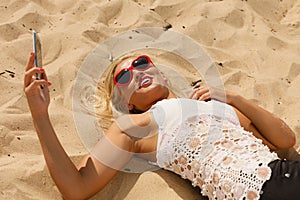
<point x="37" y="49"/>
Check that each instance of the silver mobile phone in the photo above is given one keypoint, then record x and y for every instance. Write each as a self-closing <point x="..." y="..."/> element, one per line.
<point x="37" y="49"/>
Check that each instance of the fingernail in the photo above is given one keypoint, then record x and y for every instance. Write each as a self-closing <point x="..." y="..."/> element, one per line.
<point x="31" y="53"/>
<point x="42" y="69"/>
<point x="49" y="83"/>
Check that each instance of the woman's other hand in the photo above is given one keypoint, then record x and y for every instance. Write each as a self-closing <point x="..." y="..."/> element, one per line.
<point x="205" y="93"/>
<point x="37" y="92"/>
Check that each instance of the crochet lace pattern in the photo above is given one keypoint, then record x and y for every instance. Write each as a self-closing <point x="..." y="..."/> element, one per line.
<point x="214" y="152"/>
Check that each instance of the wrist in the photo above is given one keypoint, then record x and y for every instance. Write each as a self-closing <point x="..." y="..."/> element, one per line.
<point x="233" y="99"/>
<point x="37" y="112"/>
<point x="41" y="123"/>
<point x="44" y="116"/>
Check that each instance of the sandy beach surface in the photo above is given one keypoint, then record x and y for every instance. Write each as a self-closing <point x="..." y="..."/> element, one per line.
<point x="254" y="43"/>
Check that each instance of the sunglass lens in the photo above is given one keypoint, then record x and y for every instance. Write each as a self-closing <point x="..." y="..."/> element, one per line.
<point x="141" y="63"/>
<point x="123" y="77"/>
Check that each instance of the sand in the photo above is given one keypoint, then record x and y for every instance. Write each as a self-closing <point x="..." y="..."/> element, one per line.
<point x="254" y="43"/>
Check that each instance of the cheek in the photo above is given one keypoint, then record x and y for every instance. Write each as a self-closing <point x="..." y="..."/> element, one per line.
<point x="135" y="96"/>
<point x="158" y="75"/>
<point x="127" y="93"/>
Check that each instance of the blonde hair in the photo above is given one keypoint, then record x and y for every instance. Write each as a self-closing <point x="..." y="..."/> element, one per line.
<point x="110" y="102"/>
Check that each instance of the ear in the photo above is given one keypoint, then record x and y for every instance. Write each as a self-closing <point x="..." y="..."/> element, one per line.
<point x="130" y="106"/>
<point x="127" y="106"/>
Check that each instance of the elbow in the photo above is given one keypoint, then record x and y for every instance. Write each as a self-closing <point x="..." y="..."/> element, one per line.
<point x="288" y="136"/>
<point x="291" y="138"/>
<point x="73" y="196"/>
<point x="290" y="141"/>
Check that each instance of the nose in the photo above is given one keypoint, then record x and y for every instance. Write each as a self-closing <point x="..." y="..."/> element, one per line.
<point x="138" y="75"/>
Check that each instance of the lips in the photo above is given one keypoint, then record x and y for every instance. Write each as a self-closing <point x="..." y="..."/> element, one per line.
<point x="145" y="81"/>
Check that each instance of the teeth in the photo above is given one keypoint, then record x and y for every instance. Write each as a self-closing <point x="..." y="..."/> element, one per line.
<point x="145" y="80"/>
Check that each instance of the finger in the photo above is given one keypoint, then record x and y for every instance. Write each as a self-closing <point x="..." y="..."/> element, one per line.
<point x="28" y="78"/>
<point x="36" y="84"/>
<point x="30" y="63"/>
<point x="195" y="93"/>
<point x="45" y="89"/>
<point x="46" y="92"/>
<point x="205" y="97"/>
<point x="195" y="96"/>
<point x="204" y="88"/>
<point x="45" y="75"/>
<point x="192" y="94"/>
<point x="199" y="91"/>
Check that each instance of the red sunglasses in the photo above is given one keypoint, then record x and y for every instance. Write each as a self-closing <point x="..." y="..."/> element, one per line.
<point x="123" y="77"/>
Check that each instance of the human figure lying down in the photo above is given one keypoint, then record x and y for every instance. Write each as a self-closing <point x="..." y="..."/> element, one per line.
<point x="223" y="145"/>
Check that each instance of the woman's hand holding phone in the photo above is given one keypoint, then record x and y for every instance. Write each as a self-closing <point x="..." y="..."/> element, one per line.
<point x="36" y="82"/>
<point x="38" y="98"/>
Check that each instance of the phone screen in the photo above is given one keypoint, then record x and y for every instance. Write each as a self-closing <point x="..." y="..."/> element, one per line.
<point x="37" y="49"/>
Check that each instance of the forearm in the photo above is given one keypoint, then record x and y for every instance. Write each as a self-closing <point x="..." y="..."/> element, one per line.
<point x="62" y="170"/>
<point x="73" y="184"/>
<point x="271" y="127"/>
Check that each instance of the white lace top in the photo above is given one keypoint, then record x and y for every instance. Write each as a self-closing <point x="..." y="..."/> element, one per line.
<point x="204" y="142"/>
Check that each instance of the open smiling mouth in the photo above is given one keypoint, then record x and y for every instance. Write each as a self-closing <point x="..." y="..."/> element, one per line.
<point x="145" y="81"/>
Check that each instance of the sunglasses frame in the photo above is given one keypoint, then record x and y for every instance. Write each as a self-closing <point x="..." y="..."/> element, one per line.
<point x="129" y="69"/>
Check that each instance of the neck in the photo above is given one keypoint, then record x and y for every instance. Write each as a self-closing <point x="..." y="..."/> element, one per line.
<point x="137" y="111"/>
<point x="171" y="95"/>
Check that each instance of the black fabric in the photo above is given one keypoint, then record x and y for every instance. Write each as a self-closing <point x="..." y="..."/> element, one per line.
<point x="284" y="183"/>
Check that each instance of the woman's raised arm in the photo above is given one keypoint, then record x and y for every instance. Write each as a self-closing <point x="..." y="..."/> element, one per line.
<point x="92" y="175"/>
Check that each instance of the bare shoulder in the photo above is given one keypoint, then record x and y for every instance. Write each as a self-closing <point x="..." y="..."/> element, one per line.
<point x="142" y="129"/>
<point x="137" y="125"/>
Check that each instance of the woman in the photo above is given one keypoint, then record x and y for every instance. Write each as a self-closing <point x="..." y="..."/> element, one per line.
<point x="202" y="144"/>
